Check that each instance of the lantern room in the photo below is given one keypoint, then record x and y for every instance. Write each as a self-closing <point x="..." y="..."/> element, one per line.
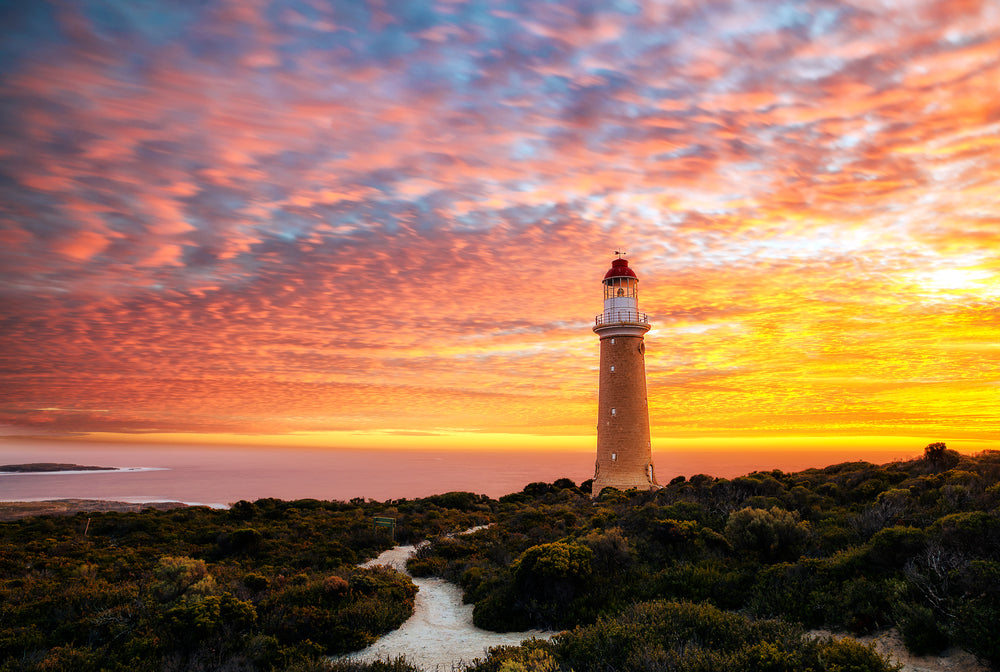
<point x="621" y="287"/>
<point x="621" y="295"/>
<point x="620" y="281"/>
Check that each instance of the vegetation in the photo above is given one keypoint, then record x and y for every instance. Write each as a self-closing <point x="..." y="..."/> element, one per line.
<point x="704" y="574"/>
<point x="853" y="547"/>
<point x="684" y="637"/>
<point x="266" y="585"/>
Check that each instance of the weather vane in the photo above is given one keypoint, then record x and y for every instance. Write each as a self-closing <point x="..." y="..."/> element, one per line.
<point x="620" y="252"/>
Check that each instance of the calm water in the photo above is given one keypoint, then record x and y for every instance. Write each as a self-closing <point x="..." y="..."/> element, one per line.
<point x="222" y="475"/>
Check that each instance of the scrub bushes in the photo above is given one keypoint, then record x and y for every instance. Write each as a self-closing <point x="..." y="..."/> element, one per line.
<point x="272" y="585"/>
<point x="684" y="637"/>
<point x="853" y="547"/>
<point x="267" y="585"/>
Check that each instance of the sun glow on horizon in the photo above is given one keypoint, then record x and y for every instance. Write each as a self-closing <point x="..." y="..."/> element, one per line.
<point x="470" y="442"/>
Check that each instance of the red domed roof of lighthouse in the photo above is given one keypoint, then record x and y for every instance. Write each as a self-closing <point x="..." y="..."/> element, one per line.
<point x="620" y="269"/>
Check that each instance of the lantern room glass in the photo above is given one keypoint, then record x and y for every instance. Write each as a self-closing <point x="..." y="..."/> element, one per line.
<point x="621" y="287"/>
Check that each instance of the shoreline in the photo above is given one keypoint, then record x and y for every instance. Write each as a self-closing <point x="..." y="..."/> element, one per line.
<point x="101" y="470"/>
<point x="26" y="508"/>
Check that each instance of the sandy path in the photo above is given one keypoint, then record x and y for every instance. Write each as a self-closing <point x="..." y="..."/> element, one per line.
<point x="440" y="635"/>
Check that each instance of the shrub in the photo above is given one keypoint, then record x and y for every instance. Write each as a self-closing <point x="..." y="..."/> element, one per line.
<point x="176" y="575"/>
<point x="398" y="664"/>
<point x="548" y="578"/>
<point x="255" y="582"/>
<point x="243" y="540"/>
<point x="977" y="618"/>
<point x="772" y="535"/>
<point x="976" y="626"/>
<point x="243" y="510"/>
<point x="531" y="656"/>
<point x="892" y="547"/>
<point x="921" y="630"/>
<point x="557" y="561"/>
<point x="533" y="660"/>
<point x="335" y="586"/>
<point x="610" y="550"/>
<point x="499" y="612"/>
<point x="850" y="655"/>
<point x="934" y="452"/>
<point x="463" y="501"/>
<point x="976" y="532"/>
<point x="426" y="566"/>
<point x="703" y="581"/>
<point x="686" y="637"/>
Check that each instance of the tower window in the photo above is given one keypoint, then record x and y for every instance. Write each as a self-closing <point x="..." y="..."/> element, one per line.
<point x="614" y="412"/>
<point x="614" y="457"/>
<point x="612" y="341"/>
<point x="612" y="368"/>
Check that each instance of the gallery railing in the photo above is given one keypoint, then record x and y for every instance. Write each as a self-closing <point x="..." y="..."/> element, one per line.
<point x="620" y="317"/>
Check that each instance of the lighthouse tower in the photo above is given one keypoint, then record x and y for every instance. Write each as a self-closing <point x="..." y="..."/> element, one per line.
<point x="624" y="452"/>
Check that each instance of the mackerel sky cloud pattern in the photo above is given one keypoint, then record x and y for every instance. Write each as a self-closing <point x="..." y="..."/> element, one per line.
<point x="276" y="216"/>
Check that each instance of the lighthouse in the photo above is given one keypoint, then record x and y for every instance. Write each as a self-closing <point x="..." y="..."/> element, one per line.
<point x="624" y="451"/>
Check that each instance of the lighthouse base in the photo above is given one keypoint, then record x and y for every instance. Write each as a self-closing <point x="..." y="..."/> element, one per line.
<point x="622" y="483"/>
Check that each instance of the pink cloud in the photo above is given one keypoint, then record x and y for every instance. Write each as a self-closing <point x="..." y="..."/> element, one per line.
<point x="81" y="245"/>
<point x="168" y="254"/>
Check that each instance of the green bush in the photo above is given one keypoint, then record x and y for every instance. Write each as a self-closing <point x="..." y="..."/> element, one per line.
<point x="708" y="580"/>
<point x="243" y="540"/>
<point x="921" y="629"/>
<point x="892" y="547"/>
<point x="977" y="617"/>
<point x="975" y="532"/>
<point x="255" y="582"/>
<point x="501" y="611"/>
<point x="426" y="566"/>
<point x="687" y="637"/>
<point x="771" y="535"/>
<point x="610" y="551"/>
<point x="976" y="626"/>
<point x="398" y="664"/>
<point x="543" y="564"/>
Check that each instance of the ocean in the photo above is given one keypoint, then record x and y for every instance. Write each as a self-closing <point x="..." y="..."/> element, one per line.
<point x="221" y="475"/>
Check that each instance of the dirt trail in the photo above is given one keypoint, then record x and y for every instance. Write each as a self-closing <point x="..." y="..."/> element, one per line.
<point x="440" y="635"/>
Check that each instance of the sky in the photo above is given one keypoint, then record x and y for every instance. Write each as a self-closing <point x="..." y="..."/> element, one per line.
<point x="385" y="223"/>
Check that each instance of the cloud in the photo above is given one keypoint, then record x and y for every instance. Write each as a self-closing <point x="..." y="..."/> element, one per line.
<point x="283" y="216"/>
<point x="81" y="245"/>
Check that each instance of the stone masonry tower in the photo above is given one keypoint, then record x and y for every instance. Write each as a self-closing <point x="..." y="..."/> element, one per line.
<point x="624" y="452"/>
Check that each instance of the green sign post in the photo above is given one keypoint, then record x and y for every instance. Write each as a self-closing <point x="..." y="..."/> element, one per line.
<point x="386" y="523"/>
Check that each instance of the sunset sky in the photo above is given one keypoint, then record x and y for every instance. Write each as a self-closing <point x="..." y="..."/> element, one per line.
<point x="385" y="223"/>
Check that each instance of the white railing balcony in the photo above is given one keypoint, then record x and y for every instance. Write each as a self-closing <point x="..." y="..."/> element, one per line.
<point x="612" y="317"/>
